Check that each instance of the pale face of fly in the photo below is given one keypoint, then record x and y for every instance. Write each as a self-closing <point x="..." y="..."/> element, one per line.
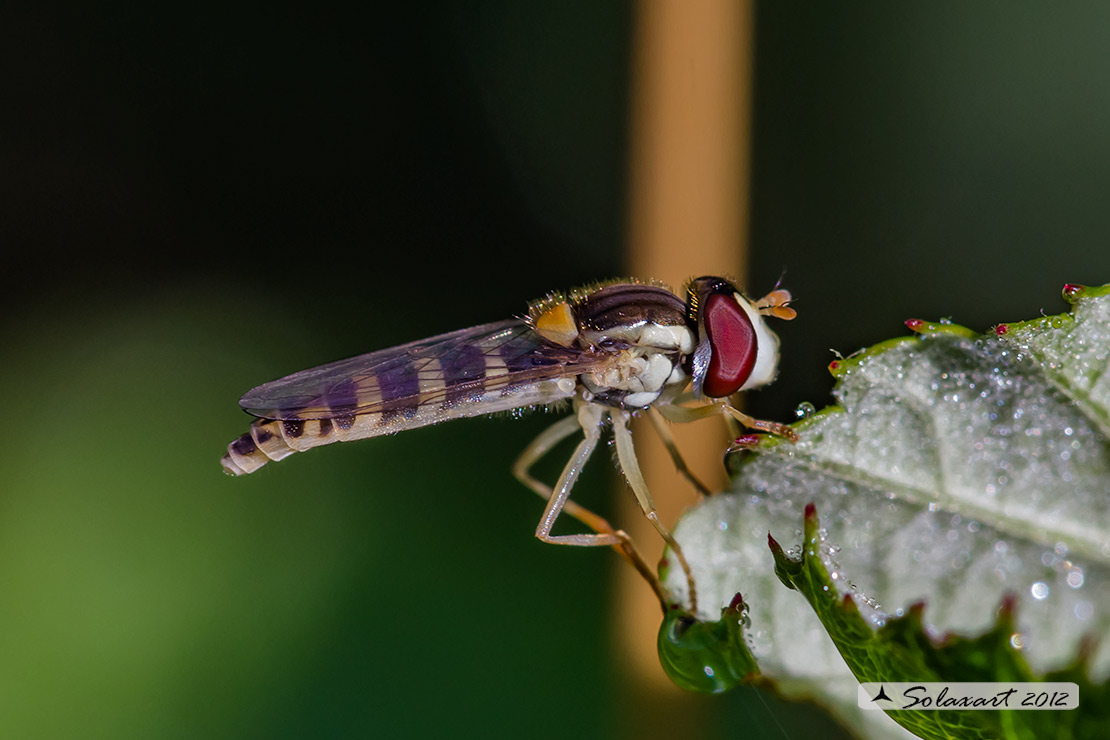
<point x="611" y="350"/>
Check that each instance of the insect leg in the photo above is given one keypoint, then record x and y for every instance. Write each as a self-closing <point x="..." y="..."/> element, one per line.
<point x="539" y="447"/>
<point x="589" y="419"/>
<point x="773" y="427"/>
<point x="682" y="414"/>
<point x="626" y="456"/>
<point x="667" y="438"/>
<point x="685" y="414"/>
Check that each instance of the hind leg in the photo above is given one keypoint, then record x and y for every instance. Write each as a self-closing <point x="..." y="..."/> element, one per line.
<point x="606" y="534"/>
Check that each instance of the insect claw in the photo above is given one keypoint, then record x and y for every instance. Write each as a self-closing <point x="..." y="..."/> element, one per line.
<point x="771" y="427"/>
<point x="779" y="430"/>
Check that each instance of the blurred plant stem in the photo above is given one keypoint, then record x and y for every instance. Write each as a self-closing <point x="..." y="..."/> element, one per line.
<point x="687" y="215"/>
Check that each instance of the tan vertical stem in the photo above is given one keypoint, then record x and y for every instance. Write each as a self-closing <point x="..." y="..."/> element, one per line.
<point x="688" y="216"/>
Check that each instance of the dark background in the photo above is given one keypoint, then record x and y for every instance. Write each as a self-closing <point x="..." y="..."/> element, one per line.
<point x="193" y="201"/>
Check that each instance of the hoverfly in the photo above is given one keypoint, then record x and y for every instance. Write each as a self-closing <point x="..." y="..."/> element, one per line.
<point x="612" y="350"/>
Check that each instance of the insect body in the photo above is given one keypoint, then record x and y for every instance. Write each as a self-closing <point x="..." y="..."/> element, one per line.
<point x="612" y="351"/>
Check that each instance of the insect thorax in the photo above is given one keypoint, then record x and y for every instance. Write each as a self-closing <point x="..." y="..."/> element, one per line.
<point x="638" y="374"/>
<point x="645" y="329"/>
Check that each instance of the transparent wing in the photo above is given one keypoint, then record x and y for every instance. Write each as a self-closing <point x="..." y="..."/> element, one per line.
<point x="462" y="366"/>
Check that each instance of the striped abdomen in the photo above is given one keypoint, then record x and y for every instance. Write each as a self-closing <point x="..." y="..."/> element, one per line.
<point x="476" y="371"/>
<point x="275" y="439"/>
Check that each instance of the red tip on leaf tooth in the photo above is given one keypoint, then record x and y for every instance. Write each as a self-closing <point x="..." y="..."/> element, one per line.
<point x="1009" y="604"/>
<point x="746" y="441"/>
<point x="811" y="510"/>
<point x="848" y="600"/>
<point x="1001" y="329"/>
<point x="1072" y="288"/>
<point x="772" y="542"/>
<point x="914" y="324"/>
<point x="834" y="364"/>
<point x="737" y="602"/>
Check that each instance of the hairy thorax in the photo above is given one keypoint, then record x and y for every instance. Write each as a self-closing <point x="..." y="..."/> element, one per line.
<point x="650" y="359"/>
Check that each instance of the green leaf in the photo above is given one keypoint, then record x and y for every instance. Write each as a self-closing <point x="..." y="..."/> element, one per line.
<point x="902" y="649"/>
<point x="707" y="657"/>
<point x="956" y="470"/>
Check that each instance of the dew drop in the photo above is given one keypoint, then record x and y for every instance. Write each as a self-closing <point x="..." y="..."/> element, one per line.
<point x="1039" y="590"/>
<point x="804" y="410"/>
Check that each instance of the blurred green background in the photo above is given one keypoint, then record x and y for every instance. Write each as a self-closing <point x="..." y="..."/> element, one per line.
<point x="196" y="200"/>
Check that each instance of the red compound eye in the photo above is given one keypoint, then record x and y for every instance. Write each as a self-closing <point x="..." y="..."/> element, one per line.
<point x="733" y="343"/>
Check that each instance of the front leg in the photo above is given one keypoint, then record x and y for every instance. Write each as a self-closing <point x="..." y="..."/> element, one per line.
<point x="772" y="427"/>
<point x="686" y="414"/>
